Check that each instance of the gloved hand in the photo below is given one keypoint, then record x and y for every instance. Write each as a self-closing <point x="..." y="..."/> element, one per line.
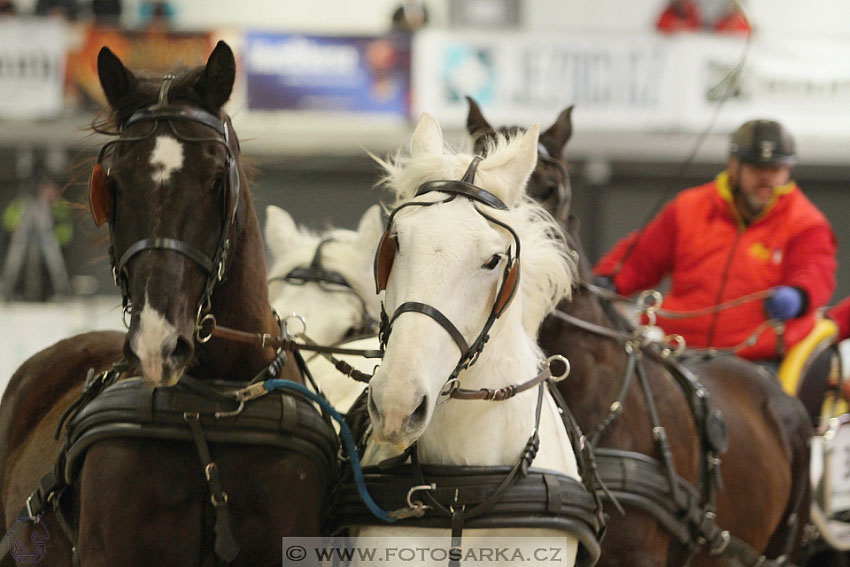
<point x="605" y="282"/>
<point x="784" y="303"/>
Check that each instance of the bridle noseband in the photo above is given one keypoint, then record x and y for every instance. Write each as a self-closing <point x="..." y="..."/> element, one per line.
<point x="213" y="266"/>
<point x="510" y="280"/>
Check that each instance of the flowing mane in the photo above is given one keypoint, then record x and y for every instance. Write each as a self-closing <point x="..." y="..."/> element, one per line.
<point x="548" y="270"/>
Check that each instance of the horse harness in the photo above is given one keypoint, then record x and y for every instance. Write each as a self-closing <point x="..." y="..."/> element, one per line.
<point x="455" y="496"/>
<point x="102" y="200"/>
<point x="459" y="497"/>
<point x="195" y="411"/>
<point x="652" y="485"/>
<point x="330" y="280"/>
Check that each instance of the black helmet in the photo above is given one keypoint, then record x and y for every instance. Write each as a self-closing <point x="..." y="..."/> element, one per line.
<point x="763" y="142"/>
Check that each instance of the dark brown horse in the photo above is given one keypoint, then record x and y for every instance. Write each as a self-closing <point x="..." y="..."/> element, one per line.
<point x="186" y="248"/>
<point x="764" y="498"/>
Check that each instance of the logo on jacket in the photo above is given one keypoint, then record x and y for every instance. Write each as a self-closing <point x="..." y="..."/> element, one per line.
<point x="761" y="252"/>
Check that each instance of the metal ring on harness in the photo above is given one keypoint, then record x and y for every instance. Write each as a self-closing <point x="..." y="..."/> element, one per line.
<point x="674" y="345"/>
<point x="297" y="317"/>
<point x="648" y="302"/>
<point x="200" y="332"/>
<point x="419" y="504"/>
<point x="563" y="360"/>
<point x="448" y="389"/>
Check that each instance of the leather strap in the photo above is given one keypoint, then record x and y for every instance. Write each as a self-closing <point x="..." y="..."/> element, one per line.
<point x="226" y="547"/>
<point x="193" y="254"/>
<point x="436" y="315"/>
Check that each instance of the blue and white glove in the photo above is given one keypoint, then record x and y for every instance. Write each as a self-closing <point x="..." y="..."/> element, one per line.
<point x="784" y="303"/>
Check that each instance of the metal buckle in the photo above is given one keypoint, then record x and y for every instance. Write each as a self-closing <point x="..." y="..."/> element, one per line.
<point x="251" y="392"/>
<point x="415" y="508"/>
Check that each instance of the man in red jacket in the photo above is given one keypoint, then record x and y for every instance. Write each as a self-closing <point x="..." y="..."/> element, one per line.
<point x="749" y="233"/>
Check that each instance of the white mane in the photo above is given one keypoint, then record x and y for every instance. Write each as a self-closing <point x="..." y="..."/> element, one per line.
<point x="548" y="270"/>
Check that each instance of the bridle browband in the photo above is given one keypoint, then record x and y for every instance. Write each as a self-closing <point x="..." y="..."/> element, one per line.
<point x="469" y="353"/>
<point x="213" y="266"/>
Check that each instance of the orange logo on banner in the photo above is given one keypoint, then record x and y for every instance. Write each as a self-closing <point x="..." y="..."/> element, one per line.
<point x="152" y="51"/>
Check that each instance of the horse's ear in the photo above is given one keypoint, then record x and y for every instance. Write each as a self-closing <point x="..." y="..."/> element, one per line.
<point x="115" y="79"/>
<point x="427" y="137"/>
<point x="476" y="124"/>
<point x="371" y="225"/>
<point x="216" y="81"/>
<point x="517" y="170"/>
<point x="280" y="230"/>
<point x="560" y="132"/>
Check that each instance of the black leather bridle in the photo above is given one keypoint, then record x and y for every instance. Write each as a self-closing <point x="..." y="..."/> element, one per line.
<point x="328" y="280"/>
<point x="214" y="266"/>
<point x="469" y="352"/>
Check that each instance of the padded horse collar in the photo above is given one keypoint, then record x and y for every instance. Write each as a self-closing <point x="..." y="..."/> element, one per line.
<point x="510" y="280"/>
<point x="164" y="111"/>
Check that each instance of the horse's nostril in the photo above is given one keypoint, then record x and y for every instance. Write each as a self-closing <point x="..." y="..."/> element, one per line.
<point x="420" y="413"/>
<point x="177" y="350"/>
<point x="130" y="355"/>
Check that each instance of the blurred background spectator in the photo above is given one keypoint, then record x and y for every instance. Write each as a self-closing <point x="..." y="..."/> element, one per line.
<point x="67" y="9"/>
<point x="410" y="16"/>
<point x="680" y="15"/>
<point x="733" y="20"/>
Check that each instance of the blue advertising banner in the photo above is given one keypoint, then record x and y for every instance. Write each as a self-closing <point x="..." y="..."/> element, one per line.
<point x="339" y="74"/>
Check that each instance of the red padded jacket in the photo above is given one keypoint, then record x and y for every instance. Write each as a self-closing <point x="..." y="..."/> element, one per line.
<point x="700" y="240"/>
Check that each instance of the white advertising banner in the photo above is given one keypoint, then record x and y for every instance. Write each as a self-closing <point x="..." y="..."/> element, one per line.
<point x="32" y="67"/>
<point x="635" y="83"/>
<point x="803" y="83"/>
<point x="615" y="82"/>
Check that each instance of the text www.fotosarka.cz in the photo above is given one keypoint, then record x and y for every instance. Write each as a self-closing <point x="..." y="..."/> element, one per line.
<point x="421" y="551"/>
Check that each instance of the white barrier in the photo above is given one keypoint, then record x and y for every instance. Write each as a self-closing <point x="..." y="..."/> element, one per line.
<point x="26" y="328"/>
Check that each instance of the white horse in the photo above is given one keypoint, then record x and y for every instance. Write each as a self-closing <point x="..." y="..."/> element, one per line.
<point x="448" y="255"/>
<point x="340" y="302"/>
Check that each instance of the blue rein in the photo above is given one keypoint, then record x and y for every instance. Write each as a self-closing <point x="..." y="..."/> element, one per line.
<point x="345" y="434"/>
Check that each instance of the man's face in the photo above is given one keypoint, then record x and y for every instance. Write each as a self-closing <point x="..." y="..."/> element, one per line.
<point x="756" y="184"/>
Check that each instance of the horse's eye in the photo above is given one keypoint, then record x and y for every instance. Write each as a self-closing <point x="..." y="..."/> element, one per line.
<point x="494" y="261"/>
<point x="217" y="183"/>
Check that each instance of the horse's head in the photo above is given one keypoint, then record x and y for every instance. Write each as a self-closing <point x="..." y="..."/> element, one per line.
<point x="450" y="262"/>
<point x="168" y="186"/>
<point x="325" y="278"/>
<point x="550" y="181"/>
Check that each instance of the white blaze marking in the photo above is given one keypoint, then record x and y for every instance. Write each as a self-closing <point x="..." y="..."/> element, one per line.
<point x="147" y="343"/>
<point x="166" y="158"/>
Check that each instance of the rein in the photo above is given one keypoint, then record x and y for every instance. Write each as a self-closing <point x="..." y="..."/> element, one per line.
<point x="653" y="484"/>
<point x="490" y="394"/>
